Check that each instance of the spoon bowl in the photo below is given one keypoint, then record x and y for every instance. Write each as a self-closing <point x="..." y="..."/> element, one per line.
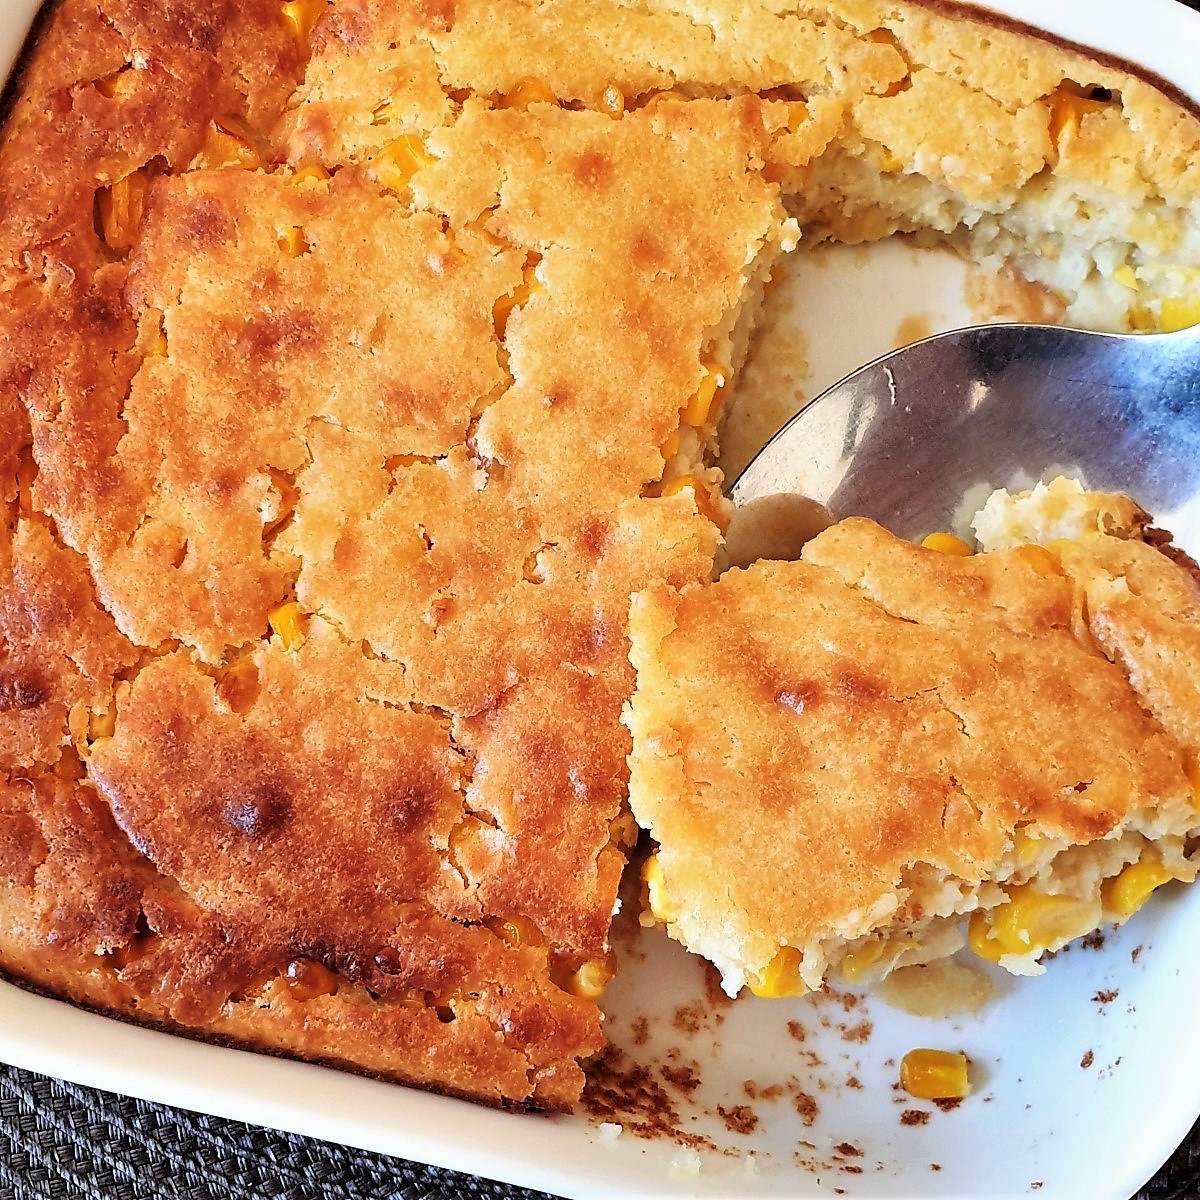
<point x="919" y="438"/>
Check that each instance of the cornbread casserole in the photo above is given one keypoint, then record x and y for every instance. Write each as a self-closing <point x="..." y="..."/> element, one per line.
<point x="357" y="362"/>
<point x="920" y="746"/>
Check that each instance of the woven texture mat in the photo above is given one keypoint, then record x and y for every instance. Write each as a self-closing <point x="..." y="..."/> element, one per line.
<point x="60" y="1141"/>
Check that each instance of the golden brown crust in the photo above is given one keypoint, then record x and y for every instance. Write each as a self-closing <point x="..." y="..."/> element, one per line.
<point x="356" y="316"/>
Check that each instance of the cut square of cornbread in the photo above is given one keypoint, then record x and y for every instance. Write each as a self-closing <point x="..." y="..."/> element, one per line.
<point x="861" y="759"/>
<point x="357" y="361"/>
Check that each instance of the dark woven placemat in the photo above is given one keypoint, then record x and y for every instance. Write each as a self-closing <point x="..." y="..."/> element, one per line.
<point x="60" y="1141"/>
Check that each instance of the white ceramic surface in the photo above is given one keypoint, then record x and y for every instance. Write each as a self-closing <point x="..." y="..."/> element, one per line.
<point x="1086" y="1080"/>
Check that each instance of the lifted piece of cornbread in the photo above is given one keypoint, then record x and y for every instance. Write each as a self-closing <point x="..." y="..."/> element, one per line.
<point x="854" y="761"/>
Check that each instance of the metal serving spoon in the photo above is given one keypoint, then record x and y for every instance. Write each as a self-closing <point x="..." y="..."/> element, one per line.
<point x="917" y="439"/>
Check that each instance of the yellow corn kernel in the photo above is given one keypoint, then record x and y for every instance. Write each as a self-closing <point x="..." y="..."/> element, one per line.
<point x="1126" y="276"/>
<point x="979" y="938"/>
<point x="302" y="15"/>
<point x="1026" y="846"/>
<point x="27" y="471"/>
<point x="527" y="91"/>
<point x="1067" y="111"/>
<point x="947" y="543"/>
<point x="292" y="241"/>
<point x="657" y="899"/>
<point x="118" y="84"/>
<point x="1042" y="560"/>
<point x="670" y="447"/>
<point x="288" y="623"/>
<point x="706" y="397"/>
<point x="228" y="142"/>
<point x="1124" y="894"/>
<point x="1179" y="312"/>
<point x="529" y="287"/>
<point x="704" y="502"/>
<point x="781" y="976"/>
<point x="102" y="724"/>
<point x="516" y="931"/>
<point x="307" y="979"/>
<point x="858" y="962"/>
<point x="935" y="1075"/>
<point x="589" y="981"/>
<point x="890" y="163"/>
<point x="119" y="209"/>
<point x="612" y="101"/>
<point x="1028" y="923"/>
<point x="309" y="171"/>
<point x="396" y="164"/>
<point x="797" y="114"/>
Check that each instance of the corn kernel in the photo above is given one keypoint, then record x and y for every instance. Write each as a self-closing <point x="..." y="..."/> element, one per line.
<point x="102" y="724"/>
<point x="516" y="931"/>
<point x="947" y="543"/>
<point x="288" y="623"/>
<point x="1042" y="560"/>
<point x="858" y="962"/>
<point x="119" y="209"/>
<point x="527" y="91"/>
<point x="27" y="471"/>
<point x="307" y="979"/>
<point x="781" y="976"/>
<point x="890" y="163"/>
<point x="396" y="164"/>
<point x="1126" y="276"/>
<point x="612" y="101"/>
<point x="670" y="447"/>
<point x="935" y="1075"/>
<point x="657" y="899"/>
<point x="1028" y="923"/>
<point x="1179" y="312"/>
<point x="704" y="502"/>
<point x="589" y="981"/>
<point x="292" y="241"/>
<point x="707" y="396"/>
<point x="1124" y="894"/>
<point x="118" y="84"/>
<point x="504" y="308"/>
<point x="309" y="171"/>
<point x="797" y="114"/>
<point x="302" y="15"/>
<point x="228" y="142"/>
<point x="1067" y="111"/>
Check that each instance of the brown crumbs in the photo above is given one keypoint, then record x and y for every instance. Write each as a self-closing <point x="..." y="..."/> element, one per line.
<point x="857" y="1033"/>
<point x="855" y="1083"/>
<point x="741" y="1118"/>
<point x="633" y="1098"/>
<point x="914" y="1116"/>
<point x="949" y="1103"/>
<point x="755" y="1092"/>
<point x="1106" y="997"/>
<point x="641" y="1031"/>
<point x="1093" y="941"/>
<point x="797" y="1031"/>
<point x="1135" y="954"/>
<point x="807" y="1107"/>
<point x="849" y="1149"/>
<point x="689" y="1018"/>
<point x="1087" y="1060"/>
<point x="683" y="1078"/>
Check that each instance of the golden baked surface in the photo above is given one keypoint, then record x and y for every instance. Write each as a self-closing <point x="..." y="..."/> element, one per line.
<point x="879" y="713"/>
<point x="358" y="361"/>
